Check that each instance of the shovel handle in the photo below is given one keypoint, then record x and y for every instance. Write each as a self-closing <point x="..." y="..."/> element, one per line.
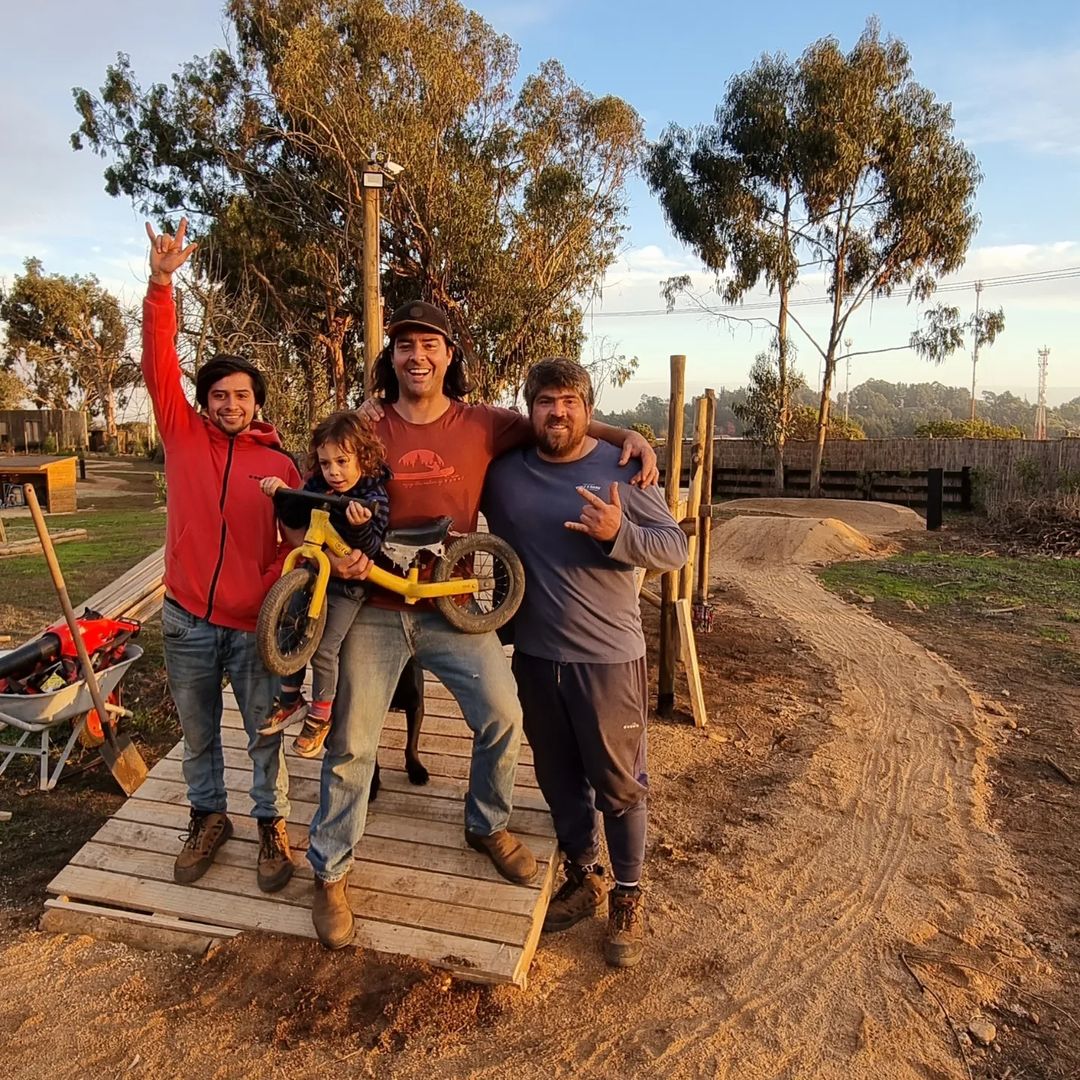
<point x="69" y="612"/>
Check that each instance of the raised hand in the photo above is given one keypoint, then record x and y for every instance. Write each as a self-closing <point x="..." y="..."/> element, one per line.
<point x="168" y="253"/>
<point x="600" y="520"/>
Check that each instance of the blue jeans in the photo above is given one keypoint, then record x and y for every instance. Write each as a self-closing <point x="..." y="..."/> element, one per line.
<point x="373" y="654"/>
<point x="197" y="656"/>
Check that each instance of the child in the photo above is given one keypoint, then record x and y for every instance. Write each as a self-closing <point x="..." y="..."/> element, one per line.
<point x="345" y="458"/>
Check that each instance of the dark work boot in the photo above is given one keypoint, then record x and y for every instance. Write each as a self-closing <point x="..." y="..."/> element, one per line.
<point x="625" y="941"/>
<point x="331" y="914"/>
<point x="580" y="896"/>
<point x="509" y="855"/>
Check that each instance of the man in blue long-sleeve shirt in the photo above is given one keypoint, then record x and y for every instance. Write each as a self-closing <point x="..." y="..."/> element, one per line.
<point x="580" y="528"/>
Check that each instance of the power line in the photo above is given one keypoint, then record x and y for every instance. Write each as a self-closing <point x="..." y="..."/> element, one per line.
<point x="810" y="301"/>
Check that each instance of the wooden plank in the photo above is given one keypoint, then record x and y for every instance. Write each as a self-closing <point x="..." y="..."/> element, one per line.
<point x="390" y="851"/>
<point x="690" y="661"/>
<point x="136" y="929"/>
<point x="428" y="831"/>
<point x="424" y="801"/>
<point x="238" y="884"/>
<point x="469" y="957"/>
<point x="242" y="851"/>
<point x="439" y="734"/>
<point x="521" y="972"/>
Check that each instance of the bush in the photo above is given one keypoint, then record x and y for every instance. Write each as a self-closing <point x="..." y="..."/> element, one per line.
<point x="966" y="429"/>
<point x="645" y="431"/>
<point x="48" y="444"/>
<point x="804" y="424"/>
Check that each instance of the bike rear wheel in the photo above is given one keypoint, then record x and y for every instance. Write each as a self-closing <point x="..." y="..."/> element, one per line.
<point x="286" y="636"/>
<point x="494" y="563"/>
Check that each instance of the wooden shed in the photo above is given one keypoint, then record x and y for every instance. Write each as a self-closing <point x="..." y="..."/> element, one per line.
<point x="53" y="479"/>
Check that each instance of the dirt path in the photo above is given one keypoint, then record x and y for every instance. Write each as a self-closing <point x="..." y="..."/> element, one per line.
<point x="882" y="846"/>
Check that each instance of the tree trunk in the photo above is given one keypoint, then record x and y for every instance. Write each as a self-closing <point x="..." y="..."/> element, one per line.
<point x="110" y="413"/>
<point x="785" y="405"/>
<point x="823" y="427"/>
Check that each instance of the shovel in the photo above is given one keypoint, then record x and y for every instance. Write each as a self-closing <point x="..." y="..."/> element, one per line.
<point x="118" y="751"/>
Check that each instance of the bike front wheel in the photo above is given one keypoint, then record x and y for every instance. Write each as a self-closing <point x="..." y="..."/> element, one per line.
<point x="494" y="563"/>
<point x="287" y="637"/>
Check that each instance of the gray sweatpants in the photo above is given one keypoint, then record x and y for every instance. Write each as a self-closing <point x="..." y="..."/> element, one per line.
<point x="341" y="611"/>
<point x="586" y="726"/>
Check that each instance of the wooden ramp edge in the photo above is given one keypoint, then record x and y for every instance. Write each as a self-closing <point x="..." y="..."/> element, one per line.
<point x="416" y="888"/>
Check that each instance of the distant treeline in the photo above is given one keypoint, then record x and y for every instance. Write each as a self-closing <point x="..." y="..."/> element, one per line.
<point x="882" y="409"/>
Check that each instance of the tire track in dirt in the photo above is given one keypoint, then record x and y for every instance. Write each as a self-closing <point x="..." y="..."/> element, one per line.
<point x="882" y="842"/>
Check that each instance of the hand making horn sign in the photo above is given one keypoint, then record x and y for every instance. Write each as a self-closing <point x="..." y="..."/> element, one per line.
<point x="600" y="520"/>
<point x="168" y="253"/>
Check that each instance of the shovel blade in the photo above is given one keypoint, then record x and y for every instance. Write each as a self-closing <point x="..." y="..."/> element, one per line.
<point x="124" y="761"/>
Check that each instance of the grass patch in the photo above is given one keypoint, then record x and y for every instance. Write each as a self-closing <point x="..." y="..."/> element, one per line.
<point x="931" y="579"/>
<point x="1052" y="633"/>
<point x="116" y="541"/>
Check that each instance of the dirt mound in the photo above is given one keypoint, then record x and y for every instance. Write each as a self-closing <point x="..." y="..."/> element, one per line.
<point x="787" y="541"/>
<point x="874" y="518"/>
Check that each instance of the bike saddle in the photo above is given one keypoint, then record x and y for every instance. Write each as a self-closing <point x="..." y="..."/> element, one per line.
<point x="431" y="532"/>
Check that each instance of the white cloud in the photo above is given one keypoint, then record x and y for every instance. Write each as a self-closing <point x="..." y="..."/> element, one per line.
<point x="1024" y="99"/>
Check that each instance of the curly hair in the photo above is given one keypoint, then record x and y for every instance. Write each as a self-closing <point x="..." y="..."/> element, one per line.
<point x="353" y="435"/>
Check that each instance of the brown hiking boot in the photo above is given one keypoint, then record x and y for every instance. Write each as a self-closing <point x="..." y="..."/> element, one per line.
<point x="331" y="914"/>
<point x="275" y="859"/>
<point x="625" y="939"/>
<point x="510" y="856"/>
<point x="311" y="738"/>
<point x="580" y="896"/>
<point x="205" y="834"/>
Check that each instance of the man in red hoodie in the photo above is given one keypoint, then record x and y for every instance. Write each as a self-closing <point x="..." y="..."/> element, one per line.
<point x="222" y="553"/>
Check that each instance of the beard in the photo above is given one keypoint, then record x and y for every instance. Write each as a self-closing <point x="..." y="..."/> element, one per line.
<point x="560" y="439"/>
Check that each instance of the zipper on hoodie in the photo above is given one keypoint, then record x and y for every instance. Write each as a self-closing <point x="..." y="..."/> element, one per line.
<point x="221" y="545"/>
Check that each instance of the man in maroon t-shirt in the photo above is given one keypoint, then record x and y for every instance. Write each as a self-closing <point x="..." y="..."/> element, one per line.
<point x="439" y="449"/>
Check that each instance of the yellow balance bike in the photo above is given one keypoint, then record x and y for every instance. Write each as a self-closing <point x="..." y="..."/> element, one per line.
<point x="477" y="581"/>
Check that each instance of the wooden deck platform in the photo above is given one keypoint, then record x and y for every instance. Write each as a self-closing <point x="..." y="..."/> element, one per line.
<point x="416" y="888"/>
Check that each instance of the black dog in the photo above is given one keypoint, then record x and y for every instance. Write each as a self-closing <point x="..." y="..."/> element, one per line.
<point x="409" y="698"/>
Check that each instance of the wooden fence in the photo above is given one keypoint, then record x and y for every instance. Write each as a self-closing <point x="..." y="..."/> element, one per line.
<point x="987" y="471"/>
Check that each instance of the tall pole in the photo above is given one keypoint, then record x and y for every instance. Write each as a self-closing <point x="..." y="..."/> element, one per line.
<point x="975" y="350"/>
<point x="1040" y="411"/>
<point x="373" y="331"/>
<point x="847" y="382"/>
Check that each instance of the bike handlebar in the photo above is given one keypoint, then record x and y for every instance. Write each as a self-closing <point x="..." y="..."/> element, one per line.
<point x="324" y="500"/>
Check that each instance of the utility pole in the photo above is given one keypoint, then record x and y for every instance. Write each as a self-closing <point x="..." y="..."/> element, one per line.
<point x="373" y="330"/>
<point x="1040" y="410"/>
<point x="847" y="383"/>
<point x="975" y="350"/>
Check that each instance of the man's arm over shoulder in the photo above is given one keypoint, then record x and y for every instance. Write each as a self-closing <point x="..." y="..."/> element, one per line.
<point x="161" y="365"/>
<point x="649" y="535"/>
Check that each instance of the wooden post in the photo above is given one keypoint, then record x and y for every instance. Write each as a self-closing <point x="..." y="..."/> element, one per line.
<point x="669" y="583"/>
<point x="687" y="576"/>
<point x="373" y="330"/>
<point x="688" y="651"/>
<point x="704" y="552"/>
<point x="935" y="490"/>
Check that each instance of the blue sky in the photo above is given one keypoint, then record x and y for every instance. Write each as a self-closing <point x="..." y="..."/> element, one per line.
<point x="1011" y="72"/>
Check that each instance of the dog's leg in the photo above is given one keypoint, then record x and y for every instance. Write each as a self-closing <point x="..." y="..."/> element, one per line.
<point x="412" y="688"/>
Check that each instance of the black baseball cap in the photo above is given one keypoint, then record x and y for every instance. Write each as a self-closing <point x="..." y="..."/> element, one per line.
<point x="420" y="314"/>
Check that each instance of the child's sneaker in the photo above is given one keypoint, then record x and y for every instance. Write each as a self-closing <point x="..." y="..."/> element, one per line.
<point x="284" y="715"/>
<point x="311" y="738"/>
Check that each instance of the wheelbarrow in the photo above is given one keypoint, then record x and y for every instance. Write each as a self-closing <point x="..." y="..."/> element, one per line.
<point x="40" y="714"/>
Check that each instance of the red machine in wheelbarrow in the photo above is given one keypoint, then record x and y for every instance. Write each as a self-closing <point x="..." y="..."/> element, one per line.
<point x="43" y="686"/>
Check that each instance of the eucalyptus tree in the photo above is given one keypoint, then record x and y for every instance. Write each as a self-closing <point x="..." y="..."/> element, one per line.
<point x="508" y="209"/>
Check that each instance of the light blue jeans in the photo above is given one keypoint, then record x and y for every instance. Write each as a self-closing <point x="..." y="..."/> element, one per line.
<point x="373" y="654"/>
<point x="197" y="657"/>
